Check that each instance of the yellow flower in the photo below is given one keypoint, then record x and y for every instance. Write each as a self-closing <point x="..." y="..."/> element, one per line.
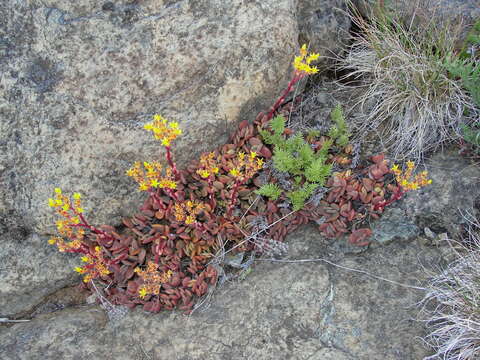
<point x="66" y="207"/>
<point x="58" y="191"/>
<point x="253" y="154"/>
<point x="158" y="117"/>
<point x="79" y="210"/>
<point x="312" y="57"/>
<point x="414" y="186"/>
<point x="410" y="164"/>
<point x="215" y="170"/>
<point x="395" y="168"/>
<point x="85" y="258"/>
<point x="303" y="50"/>
<point x="142" y="292"/>
<point x="234" y="172"/>
<point x="60" y="225"/>
<point x="167" y="184"/>
<point x="51" y="203"/>
<point x="75" y="220"/>
<point x="165" y="142"/>
<point x="203" y="173"/>
<point x="52" y="241"/>
<point x="302" y="62"/>
<point x="154" y="183"/>
<point x="58" y="202"/>
<point x="163" y="130"/>
<point x="80" y="270"/>
<point x="143" y="187"/>
<point x="77" y="196"/>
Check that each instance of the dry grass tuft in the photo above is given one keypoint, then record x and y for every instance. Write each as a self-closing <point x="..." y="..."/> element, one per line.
<point x="408" y="96"/>
<point x="451" y="305"/>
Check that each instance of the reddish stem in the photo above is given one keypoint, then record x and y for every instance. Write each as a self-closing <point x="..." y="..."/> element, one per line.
<point x="233" y="198"/>
<point x="297" y="77"/>
<point x="211" y="191"/>
<point x="171" y="193"/>
<point x="93" y="229"/>
<point x="397" y="195"/>
<point x="171" y="163"/>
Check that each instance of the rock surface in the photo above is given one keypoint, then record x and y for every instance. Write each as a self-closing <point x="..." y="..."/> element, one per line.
<point x="309" y="310"/>
<point x="79" y="79"/>
<point x="325" y="27"/>
<point x="30" y="271"/>
<point x="438" y="207"/>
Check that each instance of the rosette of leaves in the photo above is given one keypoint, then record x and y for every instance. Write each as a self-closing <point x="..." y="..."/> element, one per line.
<point x="295" y="156"/>
<point x="339" y="131"/>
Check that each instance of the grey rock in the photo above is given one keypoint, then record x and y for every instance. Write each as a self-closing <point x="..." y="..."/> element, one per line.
<point x="323" y="25"/>
<point x="30" y="271"/>
<point x="429" y="233"/>
<point x="455" y="188"/>
<point x="79" y="79"/>
<point x="309" y="310"/>
<point x="394" y="225"/>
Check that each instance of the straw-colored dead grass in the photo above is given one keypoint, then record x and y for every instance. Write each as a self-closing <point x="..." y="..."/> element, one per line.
<point x="451" y="306"/>
<point x="408" y="96"/>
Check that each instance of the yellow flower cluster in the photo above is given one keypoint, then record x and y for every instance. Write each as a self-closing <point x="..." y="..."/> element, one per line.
<point x="244" y="167"/>
<point x="152" y="279"/>
<point x="187" y="211"/>
<point x="404" y="177"/>
<point x="70" y="211"/>
<point x="163" y="130"/>
<point x="152" y="177"/>
<point x="208" y="166"/>
<point x="95" y="265"/>
<point x="303" y="61"/>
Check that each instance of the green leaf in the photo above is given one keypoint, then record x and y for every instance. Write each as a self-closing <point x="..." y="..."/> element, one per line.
<point x="294" y="143"/>
<point x="266" y="136"/>
<point x="299" y="196"/>
<point x="339" y="131"/>
<point x="277" y="124"/>
<point x="306" y="154"/>
<point x="313" y="133"/>
<point x="272" y="191"/>
<point x="283" y="160"/>
<point x="318" y="171"/>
